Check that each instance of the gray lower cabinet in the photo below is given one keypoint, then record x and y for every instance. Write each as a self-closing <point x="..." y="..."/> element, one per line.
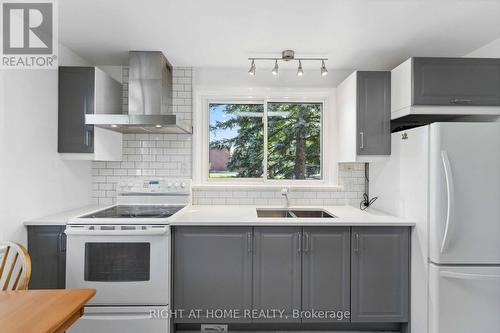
<point x="277" y="271"/>
<point x="364" y="270"/>
<point x="456" y="81"/>
<point x="373" y="112"/>
<point x="47" y="249"/>
<point x="212" y="270"/>
<point x="326" y="272"/>
<point x="380" y="259"/>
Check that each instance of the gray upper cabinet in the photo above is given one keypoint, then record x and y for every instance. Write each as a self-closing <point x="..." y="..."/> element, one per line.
<point x="374" y="113"/>
<point x="212" y="270"/>
<point x="277" y="270"/>
<point x="456" y="81"/>
<point x="380" y="274"/>
<point x="47" y="249"/>
<point x="87" y="90"/>
<point x="424" y="90"/>
<point x="76" y="98"/>
<point x="326" y="270"/>
<point x="364" y="116"/>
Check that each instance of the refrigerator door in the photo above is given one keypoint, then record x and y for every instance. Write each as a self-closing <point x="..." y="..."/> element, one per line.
<point x="464" y="193"/>
<point x="133" y="319"/>
<point x="464" y="299"/>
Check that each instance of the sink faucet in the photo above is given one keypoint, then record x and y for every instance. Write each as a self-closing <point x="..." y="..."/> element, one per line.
<point x="284" y="193"/>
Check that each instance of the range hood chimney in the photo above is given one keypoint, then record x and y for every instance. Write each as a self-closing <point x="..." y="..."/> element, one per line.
<point x="149" y="99"/>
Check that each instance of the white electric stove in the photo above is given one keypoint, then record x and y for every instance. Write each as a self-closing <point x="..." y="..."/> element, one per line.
<point x="123" y="251"/>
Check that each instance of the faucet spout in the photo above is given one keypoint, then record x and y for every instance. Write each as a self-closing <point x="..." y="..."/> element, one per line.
<point x="284" y="193"/>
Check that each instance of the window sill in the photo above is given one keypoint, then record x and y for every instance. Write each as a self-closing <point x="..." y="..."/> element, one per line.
<point x="269" y="187"/>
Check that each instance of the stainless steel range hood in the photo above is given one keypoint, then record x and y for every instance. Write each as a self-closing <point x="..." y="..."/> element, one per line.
<point x="149" y="99"/>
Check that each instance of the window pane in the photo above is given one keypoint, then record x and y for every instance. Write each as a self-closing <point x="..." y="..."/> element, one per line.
<point x="236" y="140"/>
<point x="294" y="141"/>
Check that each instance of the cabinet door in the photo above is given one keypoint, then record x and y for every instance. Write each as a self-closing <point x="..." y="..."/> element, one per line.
<point x="374" y="113"/>
<point x="277" y="271"/>
<point x="380" y="274"/>
<point x="76" y="98"/>
<point x="326" y="271"/>
<point x="212" y="271"/>
<point x="47" y="249"/>
<point x="456" y="81"/>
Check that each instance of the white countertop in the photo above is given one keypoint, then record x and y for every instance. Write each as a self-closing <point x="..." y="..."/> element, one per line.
<point x="235" y="215"/>
<point x="62" y="217"/>
<point x="247" y="215"/>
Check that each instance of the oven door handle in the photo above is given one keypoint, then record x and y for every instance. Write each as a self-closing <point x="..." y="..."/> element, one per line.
<point x="86" y="232"/>
<point x="117" y="317"/>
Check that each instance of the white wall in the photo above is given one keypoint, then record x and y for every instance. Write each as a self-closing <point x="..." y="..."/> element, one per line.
<point x="490" y="50"/>
<point x="287" y="78"/>
<point x="34" y="180"/>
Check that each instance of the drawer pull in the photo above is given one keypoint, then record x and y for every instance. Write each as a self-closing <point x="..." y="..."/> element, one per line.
<point x="460" y="101"/>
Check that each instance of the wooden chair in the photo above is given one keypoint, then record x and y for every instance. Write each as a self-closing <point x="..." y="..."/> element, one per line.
<point x="15" y="262"/>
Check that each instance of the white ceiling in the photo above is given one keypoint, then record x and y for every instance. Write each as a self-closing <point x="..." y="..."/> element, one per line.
<point x="369" y="34"/>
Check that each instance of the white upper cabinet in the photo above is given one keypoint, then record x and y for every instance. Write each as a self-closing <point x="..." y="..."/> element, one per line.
<point x="363" y="123"/>
<point x="443" y="88"/>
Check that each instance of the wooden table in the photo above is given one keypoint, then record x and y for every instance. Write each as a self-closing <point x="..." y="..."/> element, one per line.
<point x="33" y="311"/>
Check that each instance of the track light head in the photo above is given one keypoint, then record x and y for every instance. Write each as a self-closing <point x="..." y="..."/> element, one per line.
<point x="251" y="71"/>
<point x="300" y="71"/>
<point x="275" y="69"/>
<point x="324" y="71"/>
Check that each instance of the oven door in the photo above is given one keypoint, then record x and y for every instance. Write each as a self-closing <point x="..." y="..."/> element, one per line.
<point x="127" y="265"/>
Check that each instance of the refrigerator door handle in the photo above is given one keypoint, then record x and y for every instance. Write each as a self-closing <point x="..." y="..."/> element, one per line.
<point x="450" y="191"/>
<point x="467" y="276"/>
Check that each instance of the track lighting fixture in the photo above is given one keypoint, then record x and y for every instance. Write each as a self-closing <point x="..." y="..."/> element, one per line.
<point x="275" y="69"/>
<point x="288" y="55"/>
<point x="251" y="71"/>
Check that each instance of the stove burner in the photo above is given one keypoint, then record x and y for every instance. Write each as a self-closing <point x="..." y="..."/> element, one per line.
<point x="136" y="211"/>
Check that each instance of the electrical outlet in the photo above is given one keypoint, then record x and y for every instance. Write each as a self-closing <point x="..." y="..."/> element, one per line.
<point x="213" y="328"/>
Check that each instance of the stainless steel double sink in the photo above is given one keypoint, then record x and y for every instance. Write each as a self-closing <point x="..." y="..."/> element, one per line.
<point x="293" y="213"/>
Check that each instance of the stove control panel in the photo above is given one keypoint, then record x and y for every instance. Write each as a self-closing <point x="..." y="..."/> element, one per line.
<point x="156" y="185"/>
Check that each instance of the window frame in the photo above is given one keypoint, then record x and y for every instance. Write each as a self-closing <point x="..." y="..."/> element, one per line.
<point x="201" y="133"/>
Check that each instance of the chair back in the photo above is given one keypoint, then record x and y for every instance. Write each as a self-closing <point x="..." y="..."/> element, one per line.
<point x="15" y="266"/>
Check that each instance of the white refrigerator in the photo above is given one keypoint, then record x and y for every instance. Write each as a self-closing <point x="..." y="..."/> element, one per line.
<point x="446" y="177"/>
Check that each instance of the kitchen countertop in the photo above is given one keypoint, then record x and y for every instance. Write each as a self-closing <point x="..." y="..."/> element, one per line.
<point x="62" y="217"/>
<point x="246" y="215"/>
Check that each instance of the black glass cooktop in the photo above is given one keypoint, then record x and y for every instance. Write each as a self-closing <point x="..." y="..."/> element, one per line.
<point x="136" y="211"/>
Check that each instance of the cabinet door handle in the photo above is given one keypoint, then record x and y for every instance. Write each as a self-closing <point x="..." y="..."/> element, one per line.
<point x="299" y="242"/>
<point x="306" y="242"/>
<point x="249" y="241"/>
<point x="362" y="136"/>
<point x="61" y="244"/>
<point x="356" y="242"/>
<point x="87" y="137"/>
<point x="460" y="101"/>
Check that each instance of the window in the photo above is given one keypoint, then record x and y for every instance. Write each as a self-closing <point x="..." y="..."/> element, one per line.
<point x="266" y="140"/>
